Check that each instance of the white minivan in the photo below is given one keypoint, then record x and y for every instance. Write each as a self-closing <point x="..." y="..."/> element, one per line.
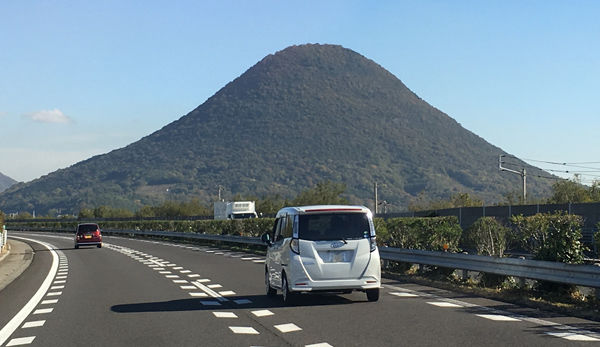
<point x="322" y="248"/>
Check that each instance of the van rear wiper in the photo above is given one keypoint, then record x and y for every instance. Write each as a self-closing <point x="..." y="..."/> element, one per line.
<point x="344" y="241"/>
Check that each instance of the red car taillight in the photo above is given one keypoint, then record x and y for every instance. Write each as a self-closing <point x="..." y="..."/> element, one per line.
<point x="97" y="233"/>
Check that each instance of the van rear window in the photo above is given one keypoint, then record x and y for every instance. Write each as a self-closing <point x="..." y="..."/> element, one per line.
<point x="333" y="226"/>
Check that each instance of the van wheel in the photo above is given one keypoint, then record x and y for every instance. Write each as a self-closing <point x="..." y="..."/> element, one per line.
<point x="100" y="245"/>
<point x="76" y="246"/>
<point x="288" y="296"/>
<point x="373" y="294"/>
<point x="270" y="290"/>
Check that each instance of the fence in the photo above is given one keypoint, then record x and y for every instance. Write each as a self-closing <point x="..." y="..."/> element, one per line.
<point x="3" y="238"/>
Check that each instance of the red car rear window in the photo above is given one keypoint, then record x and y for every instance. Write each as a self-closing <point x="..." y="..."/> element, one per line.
<point x="87" y="228"/>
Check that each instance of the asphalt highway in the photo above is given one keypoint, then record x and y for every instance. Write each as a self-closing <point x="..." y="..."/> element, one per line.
<point x="137" y="292"/>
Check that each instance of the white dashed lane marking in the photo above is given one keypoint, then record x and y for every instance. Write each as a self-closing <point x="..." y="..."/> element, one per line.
<point x="404" y="295"/>
<point x="572" y="336"/>
<point x="498" y="318"/>
<point x="60" y="277"/>
<point x="201" y="295"/>
<point x="287" y="328"/>
<point x="225" y="315"/>
<point x="21" y="341"/>
<point x="210" y="303"/>
<point x="443" y="304"/>
<point x="561" y="331"/>
<point x="244" y="330"/>
<point x="34" y="324"/>
<point x="49" y="302"/>
<point x="160" y="264"/>
<point x="262" y="313"/>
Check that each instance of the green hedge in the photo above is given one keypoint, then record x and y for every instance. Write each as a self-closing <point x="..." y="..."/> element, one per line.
<point x="244" y="227"/>
<point x="487" y="236"/>
<point x="427" y="233"/>
<point x="551" y="237"/>
<point x="415" y="233"/>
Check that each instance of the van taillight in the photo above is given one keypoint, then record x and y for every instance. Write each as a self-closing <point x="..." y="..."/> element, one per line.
<point x="295" y="246"/>
<point x="373" y="243"/>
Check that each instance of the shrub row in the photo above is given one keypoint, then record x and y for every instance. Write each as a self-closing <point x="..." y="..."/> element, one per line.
<point x="552" y="237"/>
<point x="243" y="227"/>
<point x="430" y="233"/>
<point x="415" y="233"/>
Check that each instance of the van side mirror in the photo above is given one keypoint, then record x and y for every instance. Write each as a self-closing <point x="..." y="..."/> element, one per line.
<point x="266" y="238"/>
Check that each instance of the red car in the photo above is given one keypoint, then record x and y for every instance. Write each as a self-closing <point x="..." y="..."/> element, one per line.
<point x="88" y="234"/>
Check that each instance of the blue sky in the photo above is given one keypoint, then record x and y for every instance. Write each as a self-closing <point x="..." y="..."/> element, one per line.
<point x="81" y="78"/>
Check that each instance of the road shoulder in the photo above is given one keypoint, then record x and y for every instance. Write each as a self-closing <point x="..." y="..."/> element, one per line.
<point x="14" y="262"/>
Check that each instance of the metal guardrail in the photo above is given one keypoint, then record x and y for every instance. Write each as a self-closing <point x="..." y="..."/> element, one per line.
<point x="194" y="236"/>
<point x="582" y="275"/>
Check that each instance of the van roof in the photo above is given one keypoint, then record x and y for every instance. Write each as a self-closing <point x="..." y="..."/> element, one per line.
<point x="313" y="209"/>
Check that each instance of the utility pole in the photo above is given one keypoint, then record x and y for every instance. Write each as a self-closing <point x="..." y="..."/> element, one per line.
<point x="522" y="173"/>
<point x="375" y="189"/>
<point x="220" y="188"/>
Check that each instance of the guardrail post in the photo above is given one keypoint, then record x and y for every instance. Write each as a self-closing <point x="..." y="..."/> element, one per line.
<point x="465" y="275"/>
<point x="522" y="282"/>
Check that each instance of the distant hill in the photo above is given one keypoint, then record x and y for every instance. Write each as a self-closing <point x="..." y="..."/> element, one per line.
<point x="306" y="114"/>
<point x="5" y="182"/>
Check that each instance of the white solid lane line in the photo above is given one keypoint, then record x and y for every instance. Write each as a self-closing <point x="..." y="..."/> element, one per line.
<point x="20" y="317"/>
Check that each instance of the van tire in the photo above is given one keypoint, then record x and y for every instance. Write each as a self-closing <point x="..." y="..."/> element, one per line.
<point x="373" y="294"/>
<point x="288" y="296"/>
<point x="270" y="290"/>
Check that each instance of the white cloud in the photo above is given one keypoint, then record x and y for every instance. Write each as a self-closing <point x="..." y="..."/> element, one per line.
<point x="48" y="116"/>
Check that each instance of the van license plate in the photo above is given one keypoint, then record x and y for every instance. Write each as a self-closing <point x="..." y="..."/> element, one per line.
<point x="336" y="257"/>
<point x="88" y="236"/>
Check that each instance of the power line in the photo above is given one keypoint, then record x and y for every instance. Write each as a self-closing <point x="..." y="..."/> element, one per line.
<point x="583" y="176"/>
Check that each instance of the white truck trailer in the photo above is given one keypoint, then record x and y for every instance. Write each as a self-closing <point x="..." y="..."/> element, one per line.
<point x="234" y="210"/>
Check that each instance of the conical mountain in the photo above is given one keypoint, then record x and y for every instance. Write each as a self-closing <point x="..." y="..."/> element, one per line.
<point x="304" y="115"/>
<point x="5" y="182"/>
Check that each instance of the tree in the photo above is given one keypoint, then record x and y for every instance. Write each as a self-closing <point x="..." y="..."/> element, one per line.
<point x="565" y="191"/>
<point x="456" y="200"/>
<point x="85" y="213"/>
